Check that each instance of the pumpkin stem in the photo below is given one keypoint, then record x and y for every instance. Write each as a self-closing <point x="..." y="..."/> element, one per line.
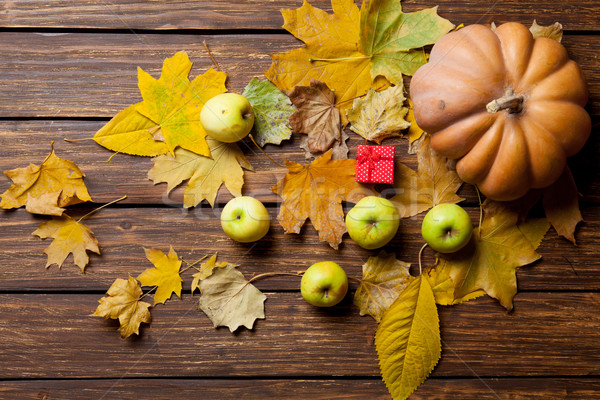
<point x="511" y="102"/>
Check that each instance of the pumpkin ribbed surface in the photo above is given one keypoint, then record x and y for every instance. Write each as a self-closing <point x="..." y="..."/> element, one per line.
<point x="509" y="107"/>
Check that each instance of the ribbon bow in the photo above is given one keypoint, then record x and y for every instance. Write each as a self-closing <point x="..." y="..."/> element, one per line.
<point x="369" y="156"/>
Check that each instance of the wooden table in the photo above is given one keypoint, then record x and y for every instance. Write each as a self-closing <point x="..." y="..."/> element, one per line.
<point x="66" y="67"/>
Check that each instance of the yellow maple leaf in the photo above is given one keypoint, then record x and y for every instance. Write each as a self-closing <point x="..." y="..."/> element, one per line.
<point x="165" y="274"/>
<point x="414" y="131"/>
<point x="41" y="182"/>
<point x="206" y="175"/>
<point x="434" y="183"/>
<point x="316" y="191"/>
<point x="174" y="103"/>
<point x="46" y="204"/>
<point x="70" y="236"/>
<point x="123" y="303"/>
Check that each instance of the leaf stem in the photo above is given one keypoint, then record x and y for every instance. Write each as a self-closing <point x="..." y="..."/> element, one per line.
<point x="148" y="292"/>
<point x="262" y="151"/>
<point x="101" y="207"/>
<point x="192" y="265"/>
<point x="357" y="97"/>
<point x="270" y="274"/>
<point x="77" y="140"/>
<point x="420" y="254"/>
<point x="480" y="206"/>
<point x="211" y="56"/>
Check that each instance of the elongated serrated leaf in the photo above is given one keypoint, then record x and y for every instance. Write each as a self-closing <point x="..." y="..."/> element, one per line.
<point x="384" y="278"/>
<point x="229" y="300"/>
<point x="272" y="111"/>
<point x="122" y="302"/>
<point x="408" y="340"/>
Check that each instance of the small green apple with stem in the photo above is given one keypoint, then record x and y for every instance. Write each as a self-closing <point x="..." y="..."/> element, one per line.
<point x="245" y="219"/>
<point x="447" y="228"/>
<point x="227" y="117"/>
<point x="372" y="222"/>
<point x="324" y="284"/>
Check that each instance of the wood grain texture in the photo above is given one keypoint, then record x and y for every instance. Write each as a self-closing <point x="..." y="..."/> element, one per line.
<point x="547" y="334"/>
<point x="301" y="389"/>
<point x="94" y="75"/>
<point x="263" y="14"/>
<point x="124" y="232"/>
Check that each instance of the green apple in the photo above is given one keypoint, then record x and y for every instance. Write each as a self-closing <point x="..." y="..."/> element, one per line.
<point x="447" y="228"/>
<point x="324" y="284"/>
<point x="227" y="117"/>
<point x="372" y="222"/>
<point x="245" y="219"/>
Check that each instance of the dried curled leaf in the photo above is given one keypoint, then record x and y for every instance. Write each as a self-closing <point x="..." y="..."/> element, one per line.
<point x="554" y="31"/>
<point x="165" y="274"/>
<point x="316" y="191"/>
<point x="383" y="279"/>
<point x="206" y="175"/>
<point x="228" y="299"/>
<point x="498" y="248"/>
<point x="379" y="115"/>
<point x="40" y="183"/>
<point x="434" y="183"/>
<point x="316" y="116"/>
<point x="70" y="236"/>
<point x="46" y="204"/>
<point x="407" y="339"/>
<point x="339" y="151"/>
<point x="123" y="303"/>
<point x="272" y="111"/>
<point x="561" y="204"/>
<point x="206" y="270"/>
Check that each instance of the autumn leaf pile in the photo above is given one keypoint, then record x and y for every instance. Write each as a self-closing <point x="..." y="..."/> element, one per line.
<point x="349" y="72"/>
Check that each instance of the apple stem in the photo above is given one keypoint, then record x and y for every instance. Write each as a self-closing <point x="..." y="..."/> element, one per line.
<point x="420" y="254"/>
<point x="101" y="207"/>
<point x="262" y="151"/>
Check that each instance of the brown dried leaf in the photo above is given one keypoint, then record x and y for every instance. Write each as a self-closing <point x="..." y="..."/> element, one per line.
<point x="316" y="191"/>
<point x="317" y="115"/>
<point x="123" y="303"/>
<point x="561" y="204"/>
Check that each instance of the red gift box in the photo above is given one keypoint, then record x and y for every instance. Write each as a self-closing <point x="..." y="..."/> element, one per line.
<point x="374" y="164"/>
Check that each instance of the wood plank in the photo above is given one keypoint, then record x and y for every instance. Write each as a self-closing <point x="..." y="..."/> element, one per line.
<point x="301" y="389"/>
<point x="22" y="142"/>
<point x="262" y="14"/>
<point x="49" y="336"/>
<point x="94" y="75"/>
<point x="124" y="232"/>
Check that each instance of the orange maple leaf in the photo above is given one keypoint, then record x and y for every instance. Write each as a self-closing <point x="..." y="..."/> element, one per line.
<point x="316" y="191"/>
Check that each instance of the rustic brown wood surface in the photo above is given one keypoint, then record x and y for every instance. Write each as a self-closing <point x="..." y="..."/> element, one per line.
<point x="66" y="67"/>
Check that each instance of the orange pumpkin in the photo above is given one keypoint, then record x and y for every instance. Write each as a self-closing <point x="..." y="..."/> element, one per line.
<point x="509" y="107"/>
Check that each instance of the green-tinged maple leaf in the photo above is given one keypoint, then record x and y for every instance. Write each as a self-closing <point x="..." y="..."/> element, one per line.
<point x="70" y="236"/>
<point x="40" y="183"/>
<point x="379" y="115"/>
<point x="434" y="183"/>
<point x="383" y="279"/>
<point x="407" y="339"/>
<point x="317" y="116"/>
<point x="351" y="50"/>
<point x="130" y="132"/>
<point x="561" y="204"/>
<point x="272" y="111"/>
<point x="165" y="274"/>
<point x="123" y="303"/>
<point x="498" y="248"/>
<point x="206" y="175"/>
<point x="174" y="103"/>
<point x="206" y="270"/>
<point x="394" y="39"/>
<point x="316" y="191"/>
<point x="554" y="31"/>
<point x="228" y="299"/>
